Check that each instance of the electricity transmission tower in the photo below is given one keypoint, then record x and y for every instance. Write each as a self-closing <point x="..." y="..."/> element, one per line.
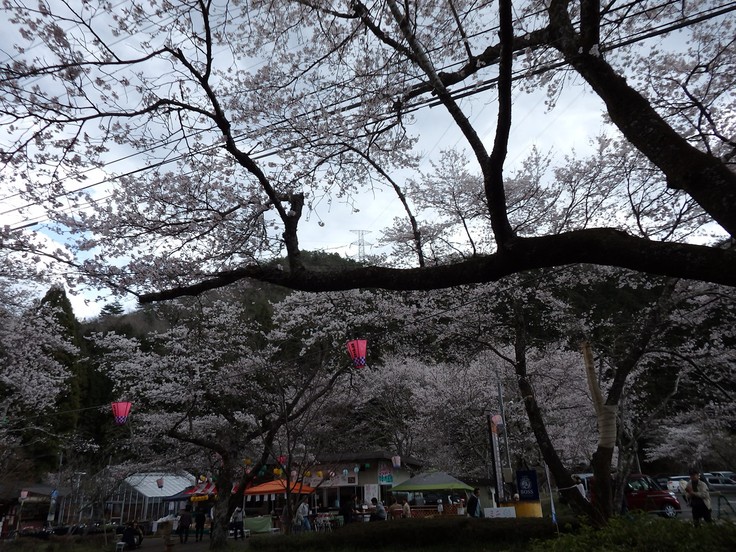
<point x="361" y="243"/>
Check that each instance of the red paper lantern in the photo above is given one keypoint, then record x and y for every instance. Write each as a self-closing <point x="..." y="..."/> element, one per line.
<point x="120" y="411"/>
<point x="357" y="349"/>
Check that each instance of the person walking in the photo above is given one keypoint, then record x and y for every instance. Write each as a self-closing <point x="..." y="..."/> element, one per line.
<point x="185" y="521"/>
<point x="474" y="507"/>
<point x="236" y="522"/>
<point x="699" y="497"/>
<point x="199" y="519"/>
<point x="302" y="515"/>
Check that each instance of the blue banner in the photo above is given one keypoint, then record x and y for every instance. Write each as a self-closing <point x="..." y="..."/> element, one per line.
<point x="526" y="485"/>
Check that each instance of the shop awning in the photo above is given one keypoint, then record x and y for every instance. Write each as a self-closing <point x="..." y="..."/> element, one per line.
<point x="201" y="491"/>
<point x="433" y="481"/>
<point x="278" y="487"/>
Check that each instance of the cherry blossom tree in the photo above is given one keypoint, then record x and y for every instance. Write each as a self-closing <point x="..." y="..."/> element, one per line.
<point x="182" y="143"/>
<point x="33" y="379"/>
<point x="649" y="336"/>
<point x="216" y="389"/>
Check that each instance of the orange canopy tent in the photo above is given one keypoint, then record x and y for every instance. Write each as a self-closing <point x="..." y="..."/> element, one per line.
<point x="278" y="486"/>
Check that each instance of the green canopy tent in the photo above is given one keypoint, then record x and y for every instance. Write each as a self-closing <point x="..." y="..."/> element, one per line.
<point x="432" y="481"/>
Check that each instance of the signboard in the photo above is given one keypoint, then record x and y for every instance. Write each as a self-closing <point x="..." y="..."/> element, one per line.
<point x="339" y="479"/>
<point x="526" y="485"/>
<point x="385" y="474"/>
<point x="503" y="512"/>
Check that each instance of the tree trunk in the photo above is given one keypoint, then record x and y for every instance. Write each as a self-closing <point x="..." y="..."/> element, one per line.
<point x="606" y="417"/>
<point x="565" y="482"/>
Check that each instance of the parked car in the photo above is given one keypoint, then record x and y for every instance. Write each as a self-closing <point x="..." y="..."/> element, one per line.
<point x="661" y="479"/>
<point x="726" y="474"/>
<point x="721" y="484"/>
<point x="673" y="483"/>
<point x="643" y="493"/>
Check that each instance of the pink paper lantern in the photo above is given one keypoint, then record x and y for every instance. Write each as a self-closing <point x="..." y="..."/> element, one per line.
<point x="120" y="411"/>
<point x="358" y="349"/>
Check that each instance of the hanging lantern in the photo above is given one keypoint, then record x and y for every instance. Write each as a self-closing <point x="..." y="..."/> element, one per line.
<point x="358" y="349"/>
<point x="248" y="469"/>
<point x="120" y="411"/>
<point x="203" y="478"/>
<point x="282" y="459"/>
<point x="396" y="461"/>
<point x="247" y="461"/>
<point x="367" y="466"/>
<point x="345" y="472"/>
<point x="160" y="482"/>
<point x="277" y="471"/>
<point x="308" y="474"/>
<point x="293" y="475"/>
<point x="356" y="469"/>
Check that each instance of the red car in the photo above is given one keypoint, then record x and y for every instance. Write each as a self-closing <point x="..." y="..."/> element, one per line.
<point x="643" y="493"/>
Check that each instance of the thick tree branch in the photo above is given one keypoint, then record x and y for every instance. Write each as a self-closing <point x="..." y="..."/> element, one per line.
<point x="595" y="246"/>
<point x="704" y="177"/>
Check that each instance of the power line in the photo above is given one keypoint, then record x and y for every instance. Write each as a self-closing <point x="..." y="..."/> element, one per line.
<point x="466" y="91"/>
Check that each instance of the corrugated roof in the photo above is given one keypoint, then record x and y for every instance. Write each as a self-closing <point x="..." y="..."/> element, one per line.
<point x="146" y="483"/>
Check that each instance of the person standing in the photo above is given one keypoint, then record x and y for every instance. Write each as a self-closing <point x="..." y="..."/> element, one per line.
<point x="130" y="537"/>
<point x="699" y="497"/>
<point x="474" y="507"/>
<point x="212" y="521"/>
<point x="302" y="515"/>
<point x="236" y="522"/>
<point x="185" y="521"/>
<point x="199" y="519"/>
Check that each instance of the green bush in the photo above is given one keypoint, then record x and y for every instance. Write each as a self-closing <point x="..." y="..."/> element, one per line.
<point x="89" y="543"/>
<point x="644" y="533"/>
<point x="447" y="534"/>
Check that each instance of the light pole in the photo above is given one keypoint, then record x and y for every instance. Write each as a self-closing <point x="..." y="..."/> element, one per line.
<point x="502" y="410"/>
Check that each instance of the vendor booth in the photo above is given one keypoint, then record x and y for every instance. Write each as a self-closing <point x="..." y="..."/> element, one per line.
<point x="267" y="497"/>
<point x="434" y="493"/>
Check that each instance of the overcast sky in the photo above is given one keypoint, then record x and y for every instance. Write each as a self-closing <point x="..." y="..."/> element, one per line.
<point x="574" y="121"/>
